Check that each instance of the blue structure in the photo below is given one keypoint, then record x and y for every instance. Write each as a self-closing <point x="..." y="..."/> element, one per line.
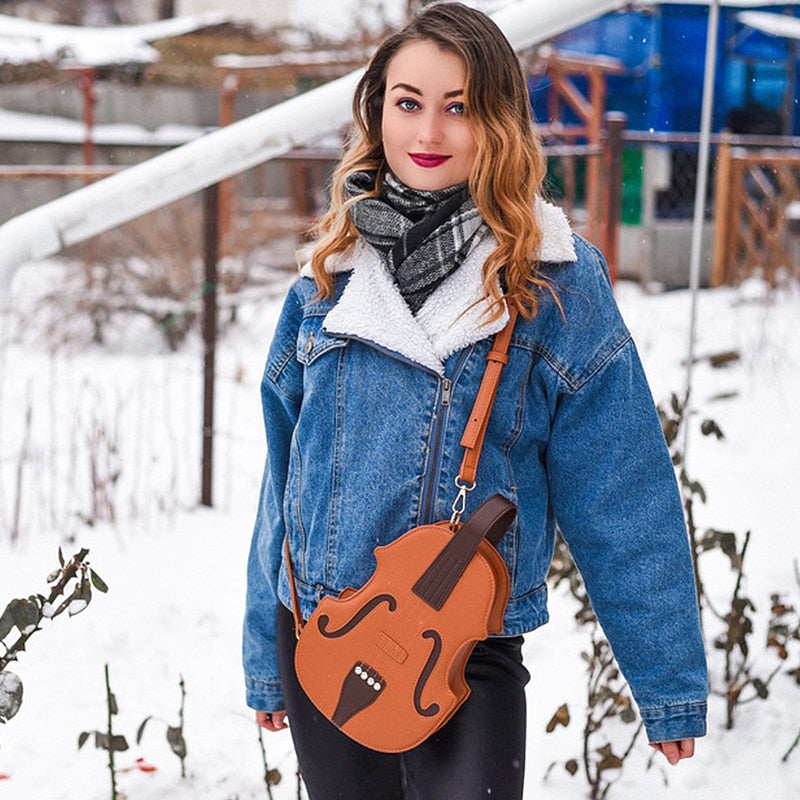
<point x="662" y="49"/>
<point x="660" y="89"/>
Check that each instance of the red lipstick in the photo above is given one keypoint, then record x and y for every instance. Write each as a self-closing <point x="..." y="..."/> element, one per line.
<point x="428" y="159"/>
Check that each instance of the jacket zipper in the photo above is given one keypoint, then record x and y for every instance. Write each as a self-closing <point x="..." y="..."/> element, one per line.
<point x="447" y="387"/>
<point x="437" y="443"/>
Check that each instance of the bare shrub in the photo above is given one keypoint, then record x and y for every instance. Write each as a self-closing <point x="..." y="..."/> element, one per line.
<point x="152" y="268"/>
<point x="608" y="698"/>
<point x="23" y="617"/>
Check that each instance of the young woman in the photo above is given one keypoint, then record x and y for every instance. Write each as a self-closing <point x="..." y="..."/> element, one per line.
<point x="436" y="228"/>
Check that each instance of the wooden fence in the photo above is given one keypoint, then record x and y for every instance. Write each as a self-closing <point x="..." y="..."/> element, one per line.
<point x="757" y="197"/>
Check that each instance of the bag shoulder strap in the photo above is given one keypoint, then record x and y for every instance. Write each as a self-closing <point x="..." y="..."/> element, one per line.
<point x="299" y="622"/>
<point x="475" y="430"/>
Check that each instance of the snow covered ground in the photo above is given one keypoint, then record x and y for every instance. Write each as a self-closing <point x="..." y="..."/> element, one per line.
<point x="176" y="571"/>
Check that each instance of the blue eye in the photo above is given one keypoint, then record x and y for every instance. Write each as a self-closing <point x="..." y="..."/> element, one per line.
<point x="457" y="108"/>
<point x="407" y="105"/>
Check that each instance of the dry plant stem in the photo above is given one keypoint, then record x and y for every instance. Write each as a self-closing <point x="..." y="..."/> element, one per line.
<point x="264" y="762"/>
<point x="590" y="727"/>
<point x="794" y="744"/>
<point x="110" y="707"/>
<point x="23" y="458"/>
<point x="593" y="724"/>
<point x="67" y="574"/>
<point x="180" y="722"/>
<point x="639" y="729"/>
<point x="701" y="595"/>
<point x="628" y="750"/>
<point x="767" y="682"/>
<point x="796" y="741"/>
<point x="729" y="672"/>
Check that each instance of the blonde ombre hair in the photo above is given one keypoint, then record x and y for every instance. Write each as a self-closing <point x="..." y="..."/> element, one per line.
<point x="509" y="167"/>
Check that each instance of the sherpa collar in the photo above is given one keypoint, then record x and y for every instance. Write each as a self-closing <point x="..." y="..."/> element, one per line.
<point x="371" y="307"/>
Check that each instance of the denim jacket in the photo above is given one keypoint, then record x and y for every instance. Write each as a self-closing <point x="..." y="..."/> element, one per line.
<point x="364" y="406"/>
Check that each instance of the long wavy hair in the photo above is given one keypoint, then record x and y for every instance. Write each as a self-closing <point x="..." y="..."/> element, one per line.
<point x="509" y="166"/>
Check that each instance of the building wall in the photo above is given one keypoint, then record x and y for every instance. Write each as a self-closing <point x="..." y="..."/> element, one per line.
<point x="265" y="14"/>
<point x="142" y="10"/>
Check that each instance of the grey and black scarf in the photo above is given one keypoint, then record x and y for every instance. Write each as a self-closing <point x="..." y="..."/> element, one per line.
<point x="424" y="236"/>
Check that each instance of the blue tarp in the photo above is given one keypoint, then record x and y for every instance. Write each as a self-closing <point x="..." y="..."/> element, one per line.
<point x="663" y="52"/>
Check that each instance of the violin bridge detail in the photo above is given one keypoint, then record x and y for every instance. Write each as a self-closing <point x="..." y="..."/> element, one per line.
<point x="361" y="688"/>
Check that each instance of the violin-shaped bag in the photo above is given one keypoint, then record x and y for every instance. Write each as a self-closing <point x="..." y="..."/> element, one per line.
<point x="385" y="663"/>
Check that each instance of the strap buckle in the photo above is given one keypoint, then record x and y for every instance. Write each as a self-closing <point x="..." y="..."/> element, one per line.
<point x="460" y="503"/>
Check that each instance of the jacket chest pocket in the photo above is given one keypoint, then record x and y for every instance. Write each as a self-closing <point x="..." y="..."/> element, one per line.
<point x="313" y="342"/>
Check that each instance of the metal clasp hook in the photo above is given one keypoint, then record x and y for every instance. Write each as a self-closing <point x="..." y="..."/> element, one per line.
<point x="460" y="503"/>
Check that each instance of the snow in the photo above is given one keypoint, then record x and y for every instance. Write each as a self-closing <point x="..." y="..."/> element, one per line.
<point x="315" y="15"/>
<point x="176" y="570"/>
<point x="353" y="16"/>
<point x="23" y="40"/>
<point x="773" y="24"/>
<point x="18" y="126"/>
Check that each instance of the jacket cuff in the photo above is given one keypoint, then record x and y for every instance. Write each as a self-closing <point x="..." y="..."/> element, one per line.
<point x="672" y="723"/>
<point x="263" y="695"/>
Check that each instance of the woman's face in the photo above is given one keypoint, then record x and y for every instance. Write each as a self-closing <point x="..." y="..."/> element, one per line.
<point x="427" y="137"/>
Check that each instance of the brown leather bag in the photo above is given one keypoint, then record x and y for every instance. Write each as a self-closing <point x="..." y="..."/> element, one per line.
<point x="385" y="663"/>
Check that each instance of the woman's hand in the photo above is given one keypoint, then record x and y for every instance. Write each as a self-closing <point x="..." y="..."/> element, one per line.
<point x="271" y="720"/>
<point x="675" y="751"/>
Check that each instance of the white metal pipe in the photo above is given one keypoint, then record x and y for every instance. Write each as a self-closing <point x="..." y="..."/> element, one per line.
<point x="700" y="203"/>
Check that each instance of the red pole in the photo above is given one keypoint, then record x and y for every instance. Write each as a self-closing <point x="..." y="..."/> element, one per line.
<point x="86" y="82"/>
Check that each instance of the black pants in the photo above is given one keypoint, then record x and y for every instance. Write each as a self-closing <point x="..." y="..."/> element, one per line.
<point x="479" y="753"/>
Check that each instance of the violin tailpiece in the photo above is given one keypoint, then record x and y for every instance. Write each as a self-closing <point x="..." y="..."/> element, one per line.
<point x="361" y="688"/>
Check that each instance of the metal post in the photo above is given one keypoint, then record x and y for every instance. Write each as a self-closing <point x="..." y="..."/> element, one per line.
<point x="700" y="200"/>
<point x="211" y="254"/>
<point x="615" y="144"/>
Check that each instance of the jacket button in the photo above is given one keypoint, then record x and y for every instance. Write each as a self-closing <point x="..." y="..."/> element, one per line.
<point x="309" y="343"/>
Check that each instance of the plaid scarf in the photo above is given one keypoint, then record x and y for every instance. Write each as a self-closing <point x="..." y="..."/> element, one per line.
<point x="423" y="236"/>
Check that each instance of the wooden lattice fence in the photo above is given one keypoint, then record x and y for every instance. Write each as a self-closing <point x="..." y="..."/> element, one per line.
<point x="757" y="195"/>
